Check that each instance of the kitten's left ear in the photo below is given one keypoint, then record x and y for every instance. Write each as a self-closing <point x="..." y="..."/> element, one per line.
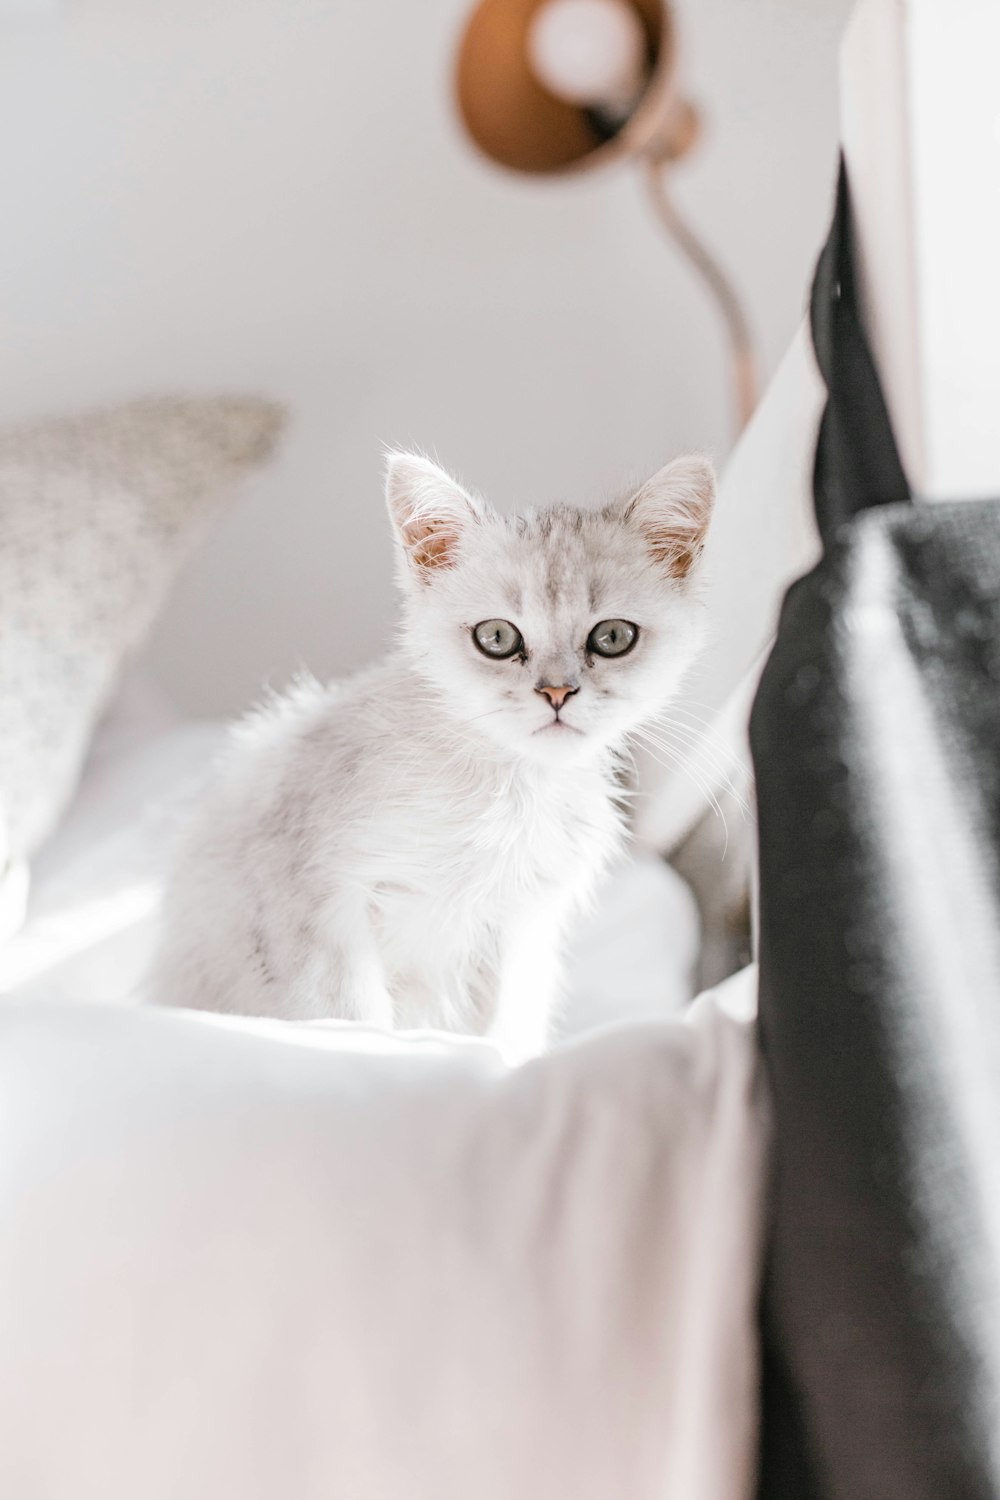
<point x="672" y="510"/>
<point x="429" y="511"/>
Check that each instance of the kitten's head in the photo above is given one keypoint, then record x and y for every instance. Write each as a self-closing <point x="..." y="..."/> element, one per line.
<point x="556" y="632"/>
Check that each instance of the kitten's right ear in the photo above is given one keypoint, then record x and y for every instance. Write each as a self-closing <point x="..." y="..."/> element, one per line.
<point x="429" y="511"/>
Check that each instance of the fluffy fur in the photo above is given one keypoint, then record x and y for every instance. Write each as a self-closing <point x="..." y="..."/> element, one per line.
<point x="407" y="848"/>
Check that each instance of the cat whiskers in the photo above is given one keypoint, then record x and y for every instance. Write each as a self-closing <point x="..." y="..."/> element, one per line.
<point x="707" y="742"/>
<point x="677" y="751"/>
<point x="653" y="743"/>
<point x="487" y="715"/>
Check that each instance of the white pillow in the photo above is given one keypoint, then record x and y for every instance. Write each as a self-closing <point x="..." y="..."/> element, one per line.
<point x="247" y="1260"/>
<point x="96" y="513"/>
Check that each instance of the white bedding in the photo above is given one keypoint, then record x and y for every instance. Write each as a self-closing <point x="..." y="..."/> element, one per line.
<point x="92" y="911"/>
<point x="251" y="1260"/>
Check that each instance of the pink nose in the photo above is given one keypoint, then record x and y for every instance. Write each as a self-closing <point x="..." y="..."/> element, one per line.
<point x="556" y="695"/>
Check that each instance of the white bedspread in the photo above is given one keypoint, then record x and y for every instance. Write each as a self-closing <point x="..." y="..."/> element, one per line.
<point x="259" y="1260"/>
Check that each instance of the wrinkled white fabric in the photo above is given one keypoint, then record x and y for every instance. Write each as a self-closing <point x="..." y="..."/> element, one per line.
<point x="265" y="1260"/>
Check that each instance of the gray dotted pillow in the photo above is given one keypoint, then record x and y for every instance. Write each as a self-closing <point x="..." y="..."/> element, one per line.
<point x="96" y="514"/>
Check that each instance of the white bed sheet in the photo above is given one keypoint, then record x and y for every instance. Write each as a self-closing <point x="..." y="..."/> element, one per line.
<point x="94" y="901"/>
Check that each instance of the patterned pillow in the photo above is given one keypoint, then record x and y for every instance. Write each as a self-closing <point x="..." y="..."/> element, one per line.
<point x="96" y="513"/>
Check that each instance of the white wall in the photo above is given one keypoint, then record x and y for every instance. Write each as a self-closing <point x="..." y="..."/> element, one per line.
<point x="921" y="134"/>
<point x="273" y="195"/>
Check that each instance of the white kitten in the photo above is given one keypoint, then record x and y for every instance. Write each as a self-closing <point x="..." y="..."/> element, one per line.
<point x="406" y="848"/>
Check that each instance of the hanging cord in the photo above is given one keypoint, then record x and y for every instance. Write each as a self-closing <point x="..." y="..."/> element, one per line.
<point x="741" y="353"/>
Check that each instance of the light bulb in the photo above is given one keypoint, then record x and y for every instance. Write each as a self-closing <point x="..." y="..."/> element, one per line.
<point x="590" y="53"/>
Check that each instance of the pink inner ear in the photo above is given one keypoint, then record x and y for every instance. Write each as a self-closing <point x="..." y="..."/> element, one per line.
<point x="672" y="511"/>
<point x="676" y="552"/>
<point x="431" y="543"/>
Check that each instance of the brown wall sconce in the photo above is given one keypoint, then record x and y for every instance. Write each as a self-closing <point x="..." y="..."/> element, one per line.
<point x="554" y="86"/>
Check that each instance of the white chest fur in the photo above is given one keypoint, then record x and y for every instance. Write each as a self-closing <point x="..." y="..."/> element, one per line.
<point x="458" y="879"/>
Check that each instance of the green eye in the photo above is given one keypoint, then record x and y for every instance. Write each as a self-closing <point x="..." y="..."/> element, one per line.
<point x="498" y="638"/>
<point x="612" y="638"/>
